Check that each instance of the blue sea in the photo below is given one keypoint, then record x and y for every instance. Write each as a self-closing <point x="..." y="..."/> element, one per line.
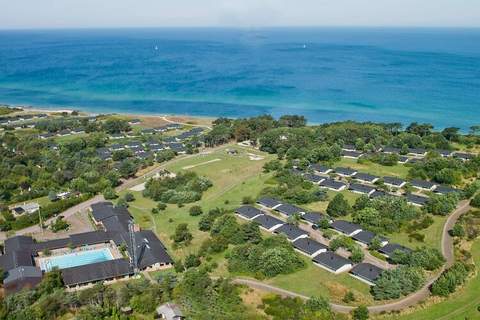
<point x="326" y="74"/>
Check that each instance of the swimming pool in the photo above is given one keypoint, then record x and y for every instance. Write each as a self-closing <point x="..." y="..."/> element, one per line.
<point x="75" y="259"/>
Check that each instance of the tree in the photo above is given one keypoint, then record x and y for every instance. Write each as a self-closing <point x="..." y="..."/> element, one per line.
<point x="394" y="283"/>
<point x="457" y="231"/>
<point x="339" y="206"/>
<point x="357" y="255"/>
<point x="475" y="202"/>
<point x="360" y="313"/>
<point x="182" y="235"/>
<point x="349" y="297"/>
<point x="192" y="261"/>
<point x="195" y="211"/>
<point x="451" y="133"/>
<point x="129" y="197"/>
<point x="293" y="121"/>
<point x="109" y="194"/>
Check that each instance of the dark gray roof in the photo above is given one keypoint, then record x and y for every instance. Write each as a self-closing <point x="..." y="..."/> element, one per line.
<point x="413" y="198"/>
<point x="22" y="278"/>
<point x="345" y="171"/>
<point x="309" y="246"/>
<point x="391" y="150"/>
<point x="366" y="271"/>
<point x="422" y="184"/>
<point x="90" y="238"/>
<point x="378" y="194"/>
<point x="267" y="221"/>
<point x="313" y="178"/>
<point x="104" y="210"/>
<point x="366" y="237"/>
<point x="345" y="226"/>
<point x="393" y="181"/>
<point x="248" y="212"/>
<point x="117" y="223"/>
<point x="51" y="244"/>
<point x="15" y="259"/>
<point x="289" y="209"/>
<point x="361" y="188"/>
<point x="320" y="168"/>
<point x="365" y="177"/>
<point x="331" y="260"/>
<point x="96" y="272"/>
<point x="445" y="153"/>
<point x="291" y="231"/>
<point x="150" y="250"/>
<point x="464" y="155"/>
<point x="21" y="273"/>
<point x="313" y="217"/>
<point x="268" y="202"/>
<point x="332" y="184"/>
<point x="442" y="189"/>
<point x="403" y="159"/>
<point x="390" y="248"/>
<point x="349" y="147"/>
<point x="18" y="243"/>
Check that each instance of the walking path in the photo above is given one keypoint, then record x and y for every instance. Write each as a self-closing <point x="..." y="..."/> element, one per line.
<point x="412" y="299"/>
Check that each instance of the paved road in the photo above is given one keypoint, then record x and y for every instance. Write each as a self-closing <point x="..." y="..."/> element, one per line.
<point x="410" y="300"/>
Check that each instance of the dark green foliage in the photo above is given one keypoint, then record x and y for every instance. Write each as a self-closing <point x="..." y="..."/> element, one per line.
<point x="360" y="313"/>
<point x="398" y="282"/>
<point x="184" y="188"/>
<point x="113" y="125"/>
<point x="270" y="257"/>
<point x="204" y="298"/>
<point x="273" y="165"/>
<point x="450" y="279"/>
<point x="426" y="258"/>
<point x="59" y="224"/>
<point x="195" y="211"/>
<point x="457" y="231"/>
<point x="475" y="202"/>
<point x="339" y="206"/>
<point x="192" y="261"/>
<point x="129" y="197"/>
<point x="441" y="204"/>
<point x="206" y="222"/>
<point x="182" y="235"/>
<point x="292" y="121"/>
<point x="165" y="155"/>
<point x="384" y="214"/>
<point x="247" y="200"/>
<point x="109" y="194"/>
<point x="161" y="206"/>
<point x="279" y="308"/>
<point x="348" y="297"/>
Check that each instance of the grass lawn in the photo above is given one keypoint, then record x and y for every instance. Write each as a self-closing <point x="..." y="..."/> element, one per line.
<point x="459" y="306"/>
<point x="433" y="235"/>
<point x="398" y="170"/>
<point x="232" y="180"/>
<point x="314" y="280"/>
<point x="321" y="206"/>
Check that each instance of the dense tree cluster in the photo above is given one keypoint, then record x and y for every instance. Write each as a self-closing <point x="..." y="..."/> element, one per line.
<point x="398" y="282"/>
<point x="450" y="279"/>
<point x="293" y="188"/>
<point x="426" y="258"/>
<point x="441" y="204"/>
<point x="316" y="308"/>
<point x="184" y="188"/>
<point x="383" y="214"/>
<point x="272" y="256"/>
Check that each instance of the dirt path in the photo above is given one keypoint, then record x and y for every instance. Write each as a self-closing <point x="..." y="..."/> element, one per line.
<point x="410" y="300"/>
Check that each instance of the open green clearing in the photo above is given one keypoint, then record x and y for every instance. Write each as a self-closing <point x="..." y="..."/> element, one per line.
<point x="398" y="170"/>
<point x="459" y="306"/>
<point x="233" y="178"/>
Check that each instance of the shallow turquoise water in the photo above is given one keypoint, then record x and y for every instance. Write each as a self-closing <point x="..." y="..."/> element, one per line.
<point x="76" y="259"/>
<point x="426" y="75"/>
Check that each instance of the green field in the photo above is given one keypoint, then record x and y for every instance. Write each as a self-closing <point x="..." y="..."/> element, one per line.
<point x="459" y="306"/>
<point x="233" y="178"/>
<point x="433" y="235"/>
<point x="398" y="170"/>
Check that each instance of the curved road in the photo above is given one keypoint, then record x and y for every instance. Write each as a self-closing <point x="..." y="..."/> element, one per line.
<point x="412" y="299"/>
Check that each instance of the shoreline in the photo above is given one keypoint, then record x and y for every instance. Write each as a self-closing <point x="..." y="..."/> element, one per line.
<point x="203" y="120"/>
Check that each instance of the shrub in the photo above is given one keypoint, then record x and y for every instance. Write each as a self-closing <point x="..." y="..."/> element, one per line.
<point x="398" y="282"/>
<point x="338" y="206"/>
<point x="129" y="197"/>
<point x="450" y="280"/>
<point x="195" y="211"/>
<point x="109" y="194"/>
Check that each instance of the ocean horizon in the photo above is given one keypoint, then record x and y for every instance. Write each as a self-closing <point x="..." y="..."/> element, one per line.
<point x="326" y="74"/>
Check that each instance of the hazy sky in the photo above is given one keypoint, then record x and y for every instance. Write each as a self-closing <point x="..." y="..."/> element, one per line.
<point x="241" y="13"/>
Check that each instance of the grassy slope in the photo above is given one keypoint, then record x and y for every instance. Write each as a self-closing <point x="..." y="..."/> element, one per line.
<point x="235" y="177"/>
<point x="459" y="306"/>
<point x="398" y="170"/>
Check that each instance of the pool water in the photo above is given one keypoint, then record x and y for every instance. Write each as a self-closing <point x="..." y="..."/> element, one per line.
<point x="76" y="259"/>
